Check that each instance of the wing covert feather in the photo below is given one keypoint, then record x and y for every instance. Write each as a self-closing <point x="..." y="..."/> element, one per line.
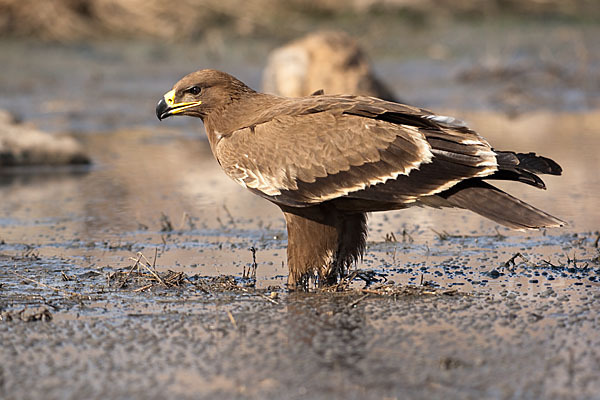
<point x="289" y="153"/>
<point x="307" y="151"/>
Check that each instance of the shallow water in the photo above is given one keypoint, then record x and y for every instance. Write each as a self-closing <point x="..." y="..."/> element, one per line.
<point x="522" y="325"/>
<point x="143" y="178"/>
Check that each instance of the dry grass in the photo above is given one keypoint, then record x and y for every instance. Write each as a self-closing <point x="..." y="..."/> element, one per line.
<point x="142" y="275"/>
<point x="386" y="289"/>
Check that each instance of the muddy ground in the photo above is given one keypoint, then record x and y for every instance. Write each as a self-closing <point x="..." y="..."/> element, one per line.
<point x="135" y="278"/>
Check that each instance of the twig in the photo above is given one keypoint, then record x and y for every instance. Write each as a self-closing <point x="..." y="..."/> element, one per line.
<point x="441" y="235"/>
<point x="548" y="263"/>
<point x="155" y="255"/>
<point x="232" y="319"/>
<point x="151" y="270"/>
<point x="137" y="262"/>
<point x="371" y="291"/>
<point x="146" y="264"/>
<point x="231" y="220"/>
<point x="64" y="292"/>
<point x="261" y="295"/>
<point x="221" y="223"/>
<point x="355" y="302"/>
<point x="141" y="289"/>
<point x="406" y="235"/>
<point x="184" y="216"/>
<point x="510" y="262"/>
<point x="128" y="274"/>
<point x="166" y="225"/>
<point x="251" y="273"/>
<point x="389" y="291"/>
<point x="390" y="237"/>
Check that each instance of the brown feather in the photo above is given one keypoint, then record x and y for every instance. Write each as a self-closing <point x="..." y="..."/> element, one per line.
<point x="326" y="160"/>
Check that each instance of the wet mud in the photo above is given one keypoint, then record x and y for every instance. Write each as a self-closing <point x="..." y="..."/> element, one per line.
<point x="150" y="275"/>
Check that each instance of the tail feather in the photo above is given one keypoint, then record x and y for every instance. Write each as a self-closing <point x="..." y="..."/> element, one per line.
<point x="523" y="167"/>
<point x="538" y="164"/>
<point x="529" y="162"/>
<point x="491" y="202"/>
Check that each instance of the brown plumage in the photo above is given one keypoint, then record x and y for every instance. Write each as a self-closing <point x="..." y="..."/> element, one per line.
<point x="328" y="160"/>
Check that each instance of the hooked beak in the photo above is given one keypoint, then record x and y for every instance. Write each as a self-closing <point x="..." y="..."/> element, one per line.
<point x="162" y="110"/>
<point x="167" y="106"/>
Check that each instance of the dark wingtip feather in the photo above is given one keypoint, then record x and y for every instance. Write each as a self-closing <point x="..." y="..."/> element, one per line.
<point x="523" y="167"/>
<point x="538" y="164"/>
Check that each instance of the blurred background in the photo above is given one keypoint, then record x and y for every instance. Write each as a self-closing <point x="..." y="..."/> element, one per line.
<point x="89" y="178"/>
<point x="510" y="56"/>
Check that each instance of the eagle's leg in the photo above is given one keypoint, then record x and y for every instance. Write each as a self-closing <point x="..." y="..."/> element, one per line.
<point x="322" y="242"/>
<point x="352" y="239"/>
<point x="312" y="245"/>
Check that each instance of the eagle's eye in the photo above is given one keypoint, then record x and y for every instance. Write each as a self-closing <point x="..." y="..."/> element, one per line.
<point x="194" y="90"/>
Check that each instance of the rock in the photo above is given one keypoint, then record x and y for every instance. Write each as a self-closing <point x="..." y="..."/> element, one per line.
<point x="331" y="61"/>
<point x="23" y="145"/>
